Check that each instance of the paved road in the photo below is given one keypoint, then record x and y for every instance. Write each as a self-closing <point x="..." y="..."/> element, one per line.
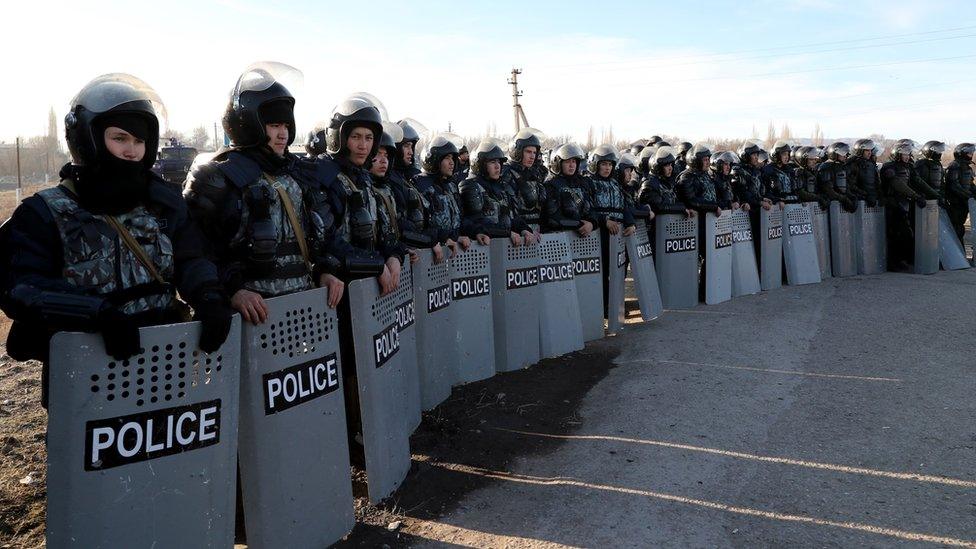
<point x="837" y="414"/>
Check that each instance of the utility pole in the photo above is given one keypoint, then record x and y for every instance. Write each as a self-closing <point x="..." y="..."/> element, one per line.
<point x="18" y="171"/>
<point x="216" y="143"/>
<point x="520" y="119"/>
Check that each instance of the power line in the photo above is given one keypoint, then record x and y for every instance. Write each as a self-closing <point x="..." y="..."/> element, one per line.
<point x="674" y="63"/>
<point x="780" y="47"/>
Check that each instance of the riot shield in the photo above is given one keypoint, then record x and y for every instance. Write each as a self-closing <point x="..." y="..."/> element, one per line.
<point x="405" y="313"/>
<point x="972" y="225"/>
<point x="471" y="307"/>
<point x="745" y="274"/>
<point x="436" y="329"/>
<point x="800" y="246"/>
<point x="771" y="248"/>
<point x="618" y="273"/>
<point x="951" y="253"/>
<point x="677" y="260"/>
<point x="142" y="452"/>
<point x="872" y="245"/>
<point x="642" y="268"/>
<point x="560" y="331"/>
<point x="821" y="231"/>
<point x="718" y="257"/>
<point x="926" y="238"/>
<point x="293" y="419"/>
<point x="515" y="304"/>
<point x="843" y="253"/>
<point x="382" y="384"/>
<point x="588" y="274"/>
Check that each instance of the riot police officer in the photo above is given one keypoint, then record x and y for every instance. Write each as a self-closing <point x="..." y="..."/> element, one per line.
<point x="680" y="165"/>
<point x="569" y="198"/>
<point x="400" y="205"/>
<point x="608" y="202"/>
<point x="406" y="148"/>
<point x="930" y="171"/>
<point x="658" y="190"/>
<point x="524" y="174"/>
<point x="832" y="180"/>
<point x="258" y="205"/>
<point x="107" y="249"/>
<point x="644" y="159"/>
<point x="488" y="205"/>
<point x="863" y="170"/>
<point x="695" y="187"/>
<point x="463" y="165"/>
<point x="626" y="176"/>
<point x="959" y="186"/>
<point x="805" y="176"/>
<point x="442" y="214"/>
<point x="720" y="170"/>
<point x="898" y="192"/>
<point x="636" y="147"/>
<point x="777" y="176"/>
<point x="747" y="179"/>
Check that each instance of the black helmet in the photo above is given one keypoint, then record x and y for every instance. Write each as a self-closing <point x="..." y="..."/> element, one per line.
<point x="315" y="140"/>
<point x="111" y="94"/>
<point x="654" y="140"/>
<point x="838" y="151"/>
<point x="862" y="145"/>
<point x="933" y="150"/>
<point x="566" y="152"/>
<point x="601" y="153"/>
<point x="258" y="92"/>
<point x="486" y="151"/>
<point x="636" y="147"/>
<point x="748" y="148"/>
<point x="779" y="148"/>
<point x="821" y="153"/>
<point x="627" y="160"/>
<point x="351" y="113"/>
<point x="796" y="154"/>
<point x="964" y="152"/>
<point x="724" y="157"/>
<point x="683" y="149"/>
<point x="694" y="155"/>
<point x="391" y="133"/>
<point x="463" y="149"/>
<point x="807" y="153"/>
<point x="644" y="159"/>
<point x="662" y="157"/>
<point x="439" y="147"/>
<point x="526" y="137"/>
<point x="903" y="146"/>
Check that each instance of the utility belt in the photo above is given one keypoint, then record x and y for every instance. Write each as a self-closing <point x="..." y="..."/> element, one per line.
<point x="616" y="214"/>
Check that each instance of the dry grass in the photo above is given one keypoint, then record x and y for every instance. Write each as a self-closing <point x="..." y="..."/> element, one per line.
<point x="23" y="424"/>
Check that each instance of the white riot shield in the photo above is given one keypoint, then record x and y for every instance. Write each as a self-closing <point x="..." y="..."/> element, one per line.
<point x="436" y="328"/>
<point x="951" y="253"/>
<point x="515" y="304"/>
<point x="872" y="244"/>
<point x="641" y="259"/>
<point x="718" y="257"/>
<point x="677" y="260"/>
<point x="143" y="452"/>
<point x="471" y="306"/>
<point x="618" y="273"/>
<point x="560" y="330"/>
<point x="821" y="231"/>
<point x="406" y="317"/>
<point x="293" y="418"/>
<point x="927" y="238"/>
<point x="382" y="383"/>
<point x="745" y="273"/>
<point x="800" y="246"/>
<point x="843" y="251"/>
<point x="588" y="275"/>
<point x="972" y="223"/>
<point x="771" y="248"/>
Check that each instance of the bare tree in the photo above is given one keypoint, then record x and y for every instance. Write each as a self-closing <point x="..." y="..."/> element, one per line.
<point x="818" y="137"/>
<point x="199" y="139"/>
<point x="770" y="135"/>
<point x="785" y="133"/>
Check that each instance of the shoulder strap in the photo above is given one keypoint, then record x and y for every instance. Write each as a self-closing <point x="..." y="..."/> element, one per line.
<point x="292" y="219"/>
<point x="239" y="169"/>
<point x="126" y="237"/>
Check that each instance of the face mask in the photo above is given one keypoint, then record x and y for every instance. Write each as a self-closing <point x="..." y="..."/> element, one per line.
<point x="114" y="187"/>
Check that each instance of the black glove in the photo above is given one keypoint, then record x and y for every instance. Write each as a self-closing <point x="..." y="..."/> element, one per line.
<point x="824" y="204"/>
<point x="943" y="203"/>
<point x="120" y="333"/>
<point x="920" y="202"/>
<point x="870" y="202"/>
<point x="213" y="312"/>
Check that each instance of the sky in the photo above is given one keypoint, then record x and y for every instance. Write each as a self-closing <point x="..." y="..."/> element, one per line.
<point x="700" y="70"/>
